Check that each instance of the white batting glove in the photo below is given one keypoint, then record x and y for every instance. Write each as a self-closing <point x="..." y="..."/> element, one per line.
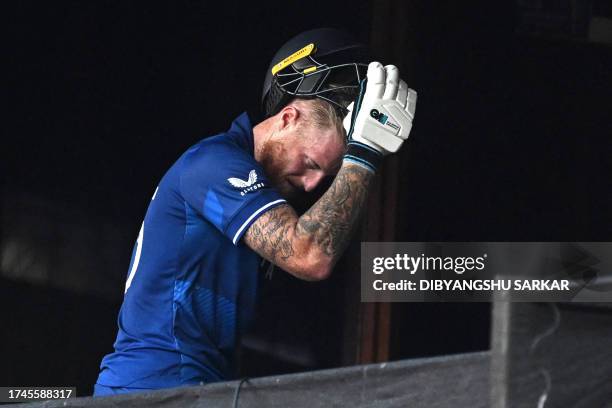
<point x="383" y="118"/>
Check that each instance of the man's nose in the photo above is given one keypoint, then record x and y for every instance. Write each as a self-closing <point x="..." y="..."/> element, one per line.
<point x="312" y="179"/>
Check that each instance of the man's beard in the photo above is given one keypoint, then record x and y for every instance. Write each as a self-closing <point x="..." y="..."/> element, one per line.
<point x="274" y="160"/>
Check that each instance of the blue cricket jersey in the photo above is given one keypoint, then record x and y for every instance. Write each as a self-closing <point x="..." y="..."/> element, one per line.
<point x="192" y="283"/>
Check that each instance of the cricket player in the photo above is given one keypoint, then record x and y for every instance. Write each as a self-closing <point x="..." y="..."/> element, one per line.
<point x="226" y="203"/>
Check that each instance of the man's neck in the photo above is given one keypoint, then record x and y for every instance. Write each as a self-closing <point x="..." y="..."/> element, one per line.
<point x="262" y="132"/>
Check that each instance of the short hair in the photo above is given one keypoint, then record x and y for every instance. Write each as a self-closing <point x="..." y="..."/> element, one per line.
<point x="321" y="113"/>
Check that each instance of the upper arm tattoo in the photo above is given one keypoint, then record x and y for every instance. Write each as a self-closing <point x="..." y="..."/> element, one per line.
<point x="270" y="235"/>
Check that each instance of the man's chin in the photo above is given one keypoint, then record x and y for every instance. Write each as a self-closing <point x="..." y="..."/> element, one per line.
<point x="297" y="199"/>
<point x="292" y="195"/>
<point x="301" y="201"/>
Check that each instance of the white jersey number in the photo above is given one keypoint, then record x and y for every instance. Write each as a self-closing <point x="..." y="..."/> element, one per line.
<point x="138" y="252"/>
<point x="136" y="258"/>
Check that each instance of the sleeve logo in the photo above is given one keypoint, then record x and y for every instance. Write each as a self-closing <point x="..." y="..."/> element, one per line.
<point x="246" y="185"/>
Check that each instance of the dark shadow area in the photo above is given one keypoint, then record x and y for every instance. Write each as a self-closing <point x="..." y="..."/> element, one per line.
<point x="53" y="337"/>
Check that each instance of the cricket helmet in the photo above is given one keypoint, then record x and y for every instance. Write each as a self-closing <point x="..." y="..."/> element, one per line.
<point x="324" y="63"/>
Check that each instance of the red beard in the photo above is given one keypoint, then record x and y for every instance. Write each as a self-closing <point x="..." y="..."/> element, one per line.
<point x="274" y="160"/>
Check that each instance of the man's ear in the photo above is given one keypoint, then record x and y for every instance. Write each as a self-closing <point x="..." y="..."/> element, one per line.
<point x="288" y="117"/>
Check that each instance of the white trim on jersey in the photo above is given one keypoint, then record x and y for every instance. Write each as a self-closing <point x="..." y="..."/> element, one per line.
<point x="255" y="214"/>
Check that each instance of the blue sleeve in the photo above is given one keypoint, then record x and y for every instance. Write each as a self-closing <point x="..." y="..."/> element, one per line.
<point x="227" y="187"/>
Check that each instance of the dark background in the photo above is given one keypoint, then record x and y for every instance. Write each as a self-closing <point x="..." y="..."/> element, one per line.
<point x="511" y="142"/>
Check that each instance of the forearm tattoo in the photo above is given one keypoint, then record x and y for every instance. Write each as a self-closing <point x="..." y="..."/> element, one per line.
<point x="328" y="224"/>
<point x="333" y="219"/>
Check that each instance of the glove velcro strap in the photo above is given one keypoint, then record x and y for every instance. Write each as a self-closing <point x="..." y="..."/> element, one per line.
<point x="363" y="155"/>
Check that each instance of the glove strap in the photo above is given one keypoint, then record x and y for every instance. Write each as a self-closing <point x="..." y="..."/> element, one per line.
<point x="363" y="155"/>
<point x="357" y="152"/>
<point x="357" y="107"/>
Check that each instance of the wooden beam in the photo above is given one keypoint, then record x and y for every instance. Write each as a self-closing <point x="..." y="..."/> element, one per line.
<point x="393" y="43"/>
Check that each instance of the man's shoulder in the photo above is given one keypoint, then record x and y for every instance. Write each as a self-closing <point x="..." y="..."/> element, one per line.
<point x="217" y="148"/>
<point x="237" y="141"/>
<point x="215" y="160"/>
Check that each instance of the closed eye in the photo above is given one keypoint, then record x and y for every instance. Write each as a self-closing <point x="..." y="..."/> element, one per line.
<point x="312" y="164"/>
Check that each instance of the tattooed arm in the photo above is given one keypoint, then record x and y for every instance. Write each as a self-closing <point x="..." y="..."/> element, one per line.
<point x="309" y="246"/>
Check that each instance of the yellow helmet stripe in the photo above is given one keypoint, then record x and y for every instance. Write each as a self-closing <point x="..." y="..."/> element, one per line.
<point x="304" y="52"/>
